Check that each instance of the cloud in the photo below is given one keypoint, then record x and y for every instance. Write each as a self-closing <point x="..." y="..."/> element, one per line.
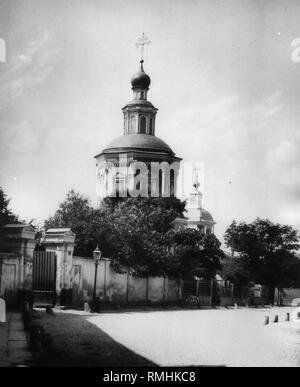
<point x="22" y="139"/>
<point x="290" y="214"/>
<point x="27" y="69"/>
<point x="227" y="127"/>
<point x="283" y="166"/>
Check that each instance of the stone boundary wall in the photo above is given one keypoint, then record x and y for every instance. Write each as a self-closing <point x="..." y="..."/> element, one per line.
<point x="119" y="288"/>
<point x="289" y="295"/>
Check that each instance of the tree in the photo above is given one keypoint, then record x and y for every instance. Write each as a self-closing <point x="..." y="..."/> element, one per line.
<point x="267" y="252"/>
<point x="6" y="214"/>
<point x="235" y="271"/>
<point x="121" y="226"/>
<point x="138" y="234"/>
<point x="75" y="212"/>
<point x="141" y="226"/>
<point x="198" y="254"/>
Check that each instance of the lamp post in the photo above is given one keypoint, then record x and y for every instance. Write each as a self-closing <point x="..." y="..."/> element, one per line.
<point x="97" y="254"/>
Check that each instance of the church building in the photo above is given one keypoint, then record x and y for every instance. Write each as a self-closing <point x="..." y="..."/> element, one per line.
<point x="138" y="151"/>
<point x="138" y="163"/>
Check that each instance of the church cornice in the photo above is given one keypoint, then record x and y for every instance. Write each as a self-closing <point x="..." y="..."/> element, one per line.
<point x="140" y="155"/>
<point x="139" y="107"/>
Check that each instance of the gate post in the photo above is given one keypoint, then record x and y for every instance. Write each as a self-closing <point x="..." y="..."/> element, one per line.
<point x="17" y="243"/>
<point x="61" y="241"/>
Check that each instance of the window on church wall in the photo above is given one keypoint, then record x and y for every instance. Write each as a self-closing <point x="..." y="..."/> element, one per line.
<point x="139" y="182"/>
<point x="172" y="183"/>
<point x="133" y="124"/>
<point x="160" y="182"/>
<point x="128" y="129"/>
<point x="143" y="124"/>
<point x="120" y="185"/>
<point x="151" y="126"/>
<point x="138" y="185"/>
<point x="126" y="122"/>
<point x="149" y="183"/>
<point x="201" y="228"/>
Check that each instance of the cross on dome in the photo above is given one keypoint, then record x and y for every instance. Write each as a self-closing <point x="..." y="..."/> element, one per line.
<point x="140" y="44"/>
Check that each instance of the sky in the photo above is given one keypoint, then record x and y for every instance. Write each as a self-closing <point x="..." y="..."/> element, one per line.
<point x="224" y="79"/>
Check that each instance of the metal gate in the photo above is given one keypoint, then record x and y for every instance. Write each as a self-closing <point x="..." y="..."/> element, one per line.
<point x="44" y="278"/>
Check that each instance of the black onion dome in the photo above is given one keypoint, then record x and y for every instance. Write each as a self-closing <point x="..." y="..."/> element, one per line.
<point x="141" y="79"/>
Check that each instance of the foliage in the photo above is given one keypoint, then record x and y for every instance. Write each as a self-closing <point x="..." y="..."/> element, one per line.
<point x="138" y="233"/>
<point x="76" y="212"/>
<point x="235" y="271"/>
<point x="6" y="214"/>
<point x="140" y="227"/>
<point x="267" y="252"/>
<point x="197" y="253"/>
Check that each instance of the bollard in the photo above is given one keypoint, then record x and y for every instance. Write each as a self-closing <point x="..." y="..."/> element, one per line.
<point x="267" y="320"/>
<point x="287" y="317"/>
<point x="295" y="315"/>
<point x="276" y="319"/>
<point x="87" y="307"/>
<point x="49" y="310"/>
<point x="236" y="306"/>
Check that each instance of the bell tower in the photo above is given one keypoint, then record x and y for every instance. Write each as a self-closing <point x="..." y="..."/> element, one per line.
<point x="139" y="114"/>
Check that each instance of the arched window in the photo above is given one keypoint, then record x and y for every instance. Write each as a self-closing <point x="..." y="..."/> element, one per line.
<point x="160" y="182"/>
<point x="149" y="183"/>
<point x="151" y="126"/>
<point x="143" y="123"/>
<point x="138" y="185"/>
<point x="132" y="125"/>
<point x="172" y="183"/>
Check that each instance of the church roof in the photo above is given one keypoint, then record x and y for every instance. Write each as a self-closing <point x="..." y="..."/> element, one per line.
<point x="140" y="142"/>
<point x="205" y="215"/>
<point x="138" y="103"/>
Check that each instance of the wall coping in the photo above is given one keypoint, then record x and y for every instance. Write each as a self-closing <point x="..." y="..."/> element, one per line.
<point x="90" y="258"/>
<point x="19" y="231"/>
<point x="59" y="236"/>
<point x="9" y="255"/>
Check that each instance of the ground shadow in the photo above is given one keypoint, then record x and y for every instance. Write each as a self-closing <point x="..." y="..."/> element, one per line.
<point x="70" y="340"/>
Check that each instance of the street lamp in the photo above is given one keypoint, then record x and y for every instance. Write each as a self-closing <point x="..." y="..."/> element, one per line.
<point x="97" y="254"/>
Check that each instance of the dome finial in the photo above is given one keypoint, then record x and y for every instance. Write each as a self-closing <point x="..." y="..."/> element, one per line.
<point x="196" y="180"/>
<point x="141" y="62"/>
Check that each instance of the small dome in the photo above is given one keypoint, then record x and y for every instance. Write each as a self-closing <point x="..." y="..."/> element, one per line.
<point x="141" y="79"/>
